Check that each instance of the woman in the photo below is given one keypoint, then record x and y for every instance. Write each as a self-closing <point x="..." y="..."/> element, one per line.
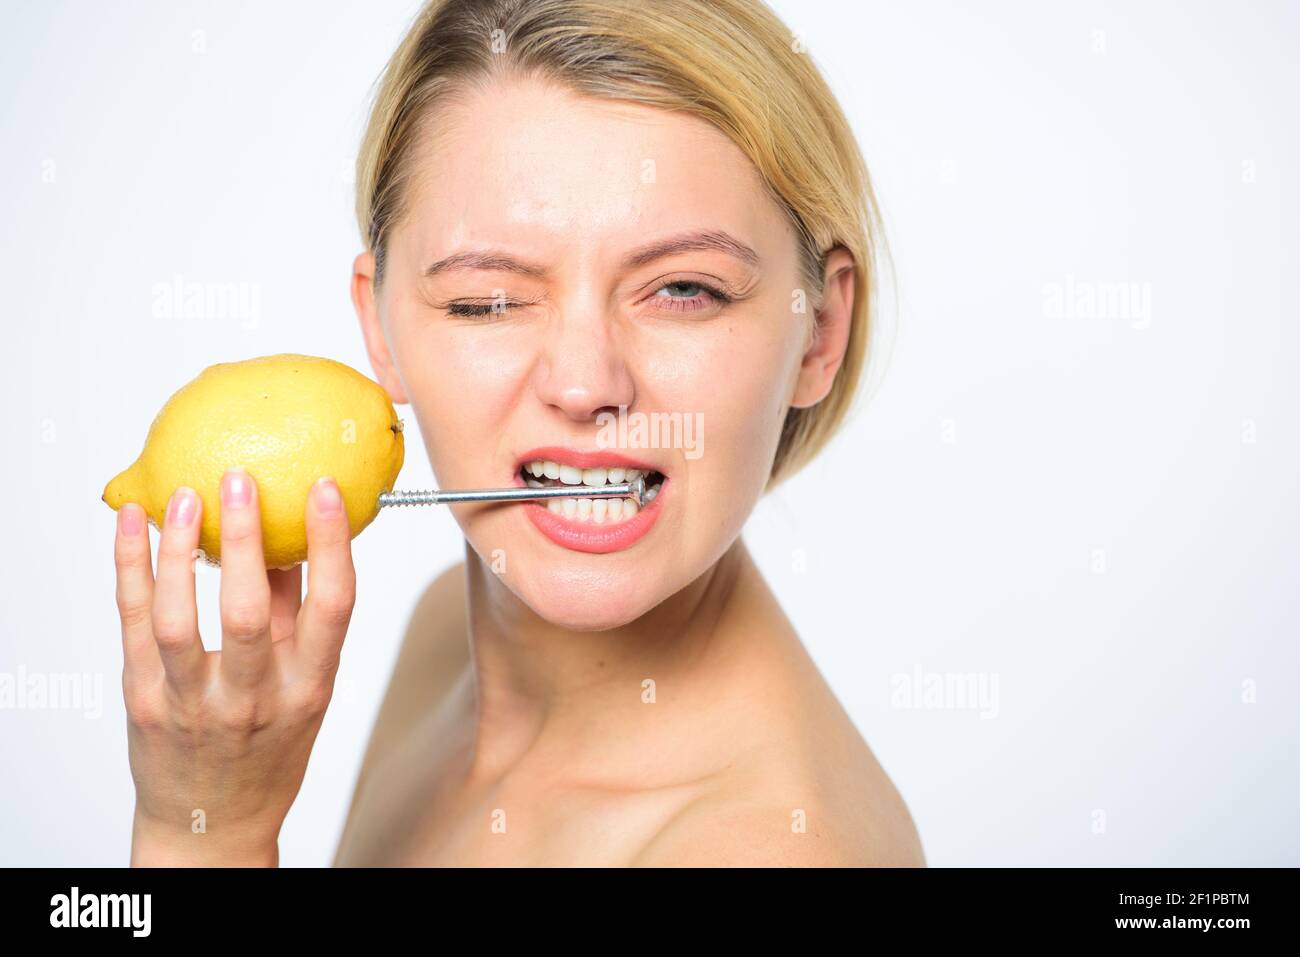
<point x="582" y="218"/>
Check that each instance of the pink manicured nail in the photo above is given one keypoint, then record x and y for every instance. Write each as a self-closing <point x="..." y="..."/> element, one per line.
<point x="132" y="520"/>
<point x="328" y="500"/>
<point x="180" y="510"/>
<point x="236" y="490"/>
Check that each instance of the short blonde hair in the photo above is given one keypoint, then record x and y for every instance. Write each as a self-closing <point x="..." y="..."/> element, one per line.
<point x="730" y="62"/>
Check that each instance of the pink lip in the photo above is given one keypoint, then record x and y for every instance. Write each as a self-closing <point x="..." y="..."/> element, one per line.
<point x="588" y="536"/>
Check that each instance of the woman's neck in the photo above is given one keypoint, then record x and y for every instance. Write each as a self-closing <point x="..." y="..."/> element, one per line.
<point x="533" y="685"/>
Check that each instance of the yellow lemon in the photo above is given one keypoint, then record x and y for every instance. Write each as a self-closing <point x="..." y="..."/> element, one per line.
<point x="287" y="420"/>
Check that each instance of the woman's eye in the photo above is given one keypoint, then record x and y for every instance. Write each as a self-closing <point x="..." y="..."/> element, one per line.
<point x="679" y="296"/>
<point x="474" y="310"/>
<point x="688" y="296"/>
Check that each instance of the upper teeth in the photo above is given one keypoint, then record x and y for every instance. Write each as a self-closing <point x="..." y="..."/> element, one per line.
<point x="571" y="475"/>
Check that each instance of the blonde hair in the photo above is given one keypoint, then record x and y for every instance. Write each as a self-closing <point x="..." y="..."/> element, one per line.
<point x="729" y="62"/>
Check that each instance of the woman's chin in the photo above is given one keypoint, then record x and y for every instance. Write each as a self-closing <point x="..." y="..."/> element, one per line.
<point x="583" y="602"/>
<point x="579" y="610"/>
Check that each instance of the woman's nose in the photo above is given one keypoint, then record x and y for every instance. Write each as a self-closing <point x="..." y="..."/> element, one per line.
<point x="583" y="370"/>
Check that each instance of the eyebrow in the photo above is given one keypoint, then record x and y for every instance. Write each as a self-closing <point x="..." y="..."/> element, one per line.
<point x="708" y="240"/>
<point x="711" y="239"/>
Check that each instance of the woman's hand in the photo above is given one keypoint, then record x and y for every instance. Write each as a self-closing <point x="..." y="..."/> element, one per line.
<point x="219" y="741"/>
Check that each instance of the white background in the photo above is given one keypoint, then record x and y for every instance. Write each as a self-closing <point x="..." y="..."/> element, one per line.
<point x="1097" y="513"/>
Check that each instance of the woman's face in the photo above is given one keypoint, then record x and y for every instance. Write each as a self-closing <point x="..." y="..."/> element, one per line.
<point x="532" y="299"/>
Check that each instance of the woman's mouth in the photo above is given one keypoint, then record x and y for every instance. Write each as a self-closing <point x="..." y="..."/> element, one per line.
<point x="547" y="473"/>
<point x="590" y="524"/>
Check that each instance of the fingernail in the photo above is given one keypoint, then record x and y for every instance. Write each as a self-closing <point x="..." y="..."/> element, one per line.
<point x="180" y="510"/>
<point x="236" y="490"/>
<point x="130" y="519"/>
<point x="328" y="500"/>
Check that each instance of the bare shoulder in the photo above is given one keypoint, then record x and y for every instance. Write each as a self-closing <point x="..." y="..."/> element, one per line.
<point x="777" y="823"/>
<point x="431" y="658"/>
<point x="729" y="830"/>
<point x="804" y="790"/>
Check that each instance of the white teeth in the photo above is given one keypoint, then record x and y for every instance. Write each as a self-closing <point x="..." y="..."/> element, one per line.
<point x="600" y="511"/>
<point x="572" y="475"/>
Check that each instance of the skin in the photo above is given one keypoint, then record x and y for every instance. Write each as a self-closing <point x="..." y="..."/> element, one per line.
<point x="218" y="741"/>
<point x="651" y="706"/>
<point x="516" y="725"/>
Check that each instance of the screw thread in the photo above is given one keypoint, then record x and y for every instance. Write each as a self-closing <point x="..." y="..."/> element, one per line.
<point x="396" y="498"/>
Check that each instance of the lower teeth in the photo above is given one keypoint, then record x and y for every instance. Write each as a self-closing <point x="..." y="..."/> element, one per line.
<point x="599" y="511"/>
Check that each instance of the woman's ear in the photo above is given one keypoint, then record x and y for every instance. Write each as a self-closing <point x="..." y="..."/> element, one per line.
<point x="363" y="300"/>
<point x="831" y="329"/>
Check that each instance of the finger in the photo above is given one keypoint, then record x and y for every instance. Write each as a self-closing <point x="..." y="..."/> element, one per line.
<point x="331" y="579"/>
<point x="245" y="589"/>
<point x="135" y="593"/>
<point x="175" y="618"/>
<point x="286" y="600"/>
